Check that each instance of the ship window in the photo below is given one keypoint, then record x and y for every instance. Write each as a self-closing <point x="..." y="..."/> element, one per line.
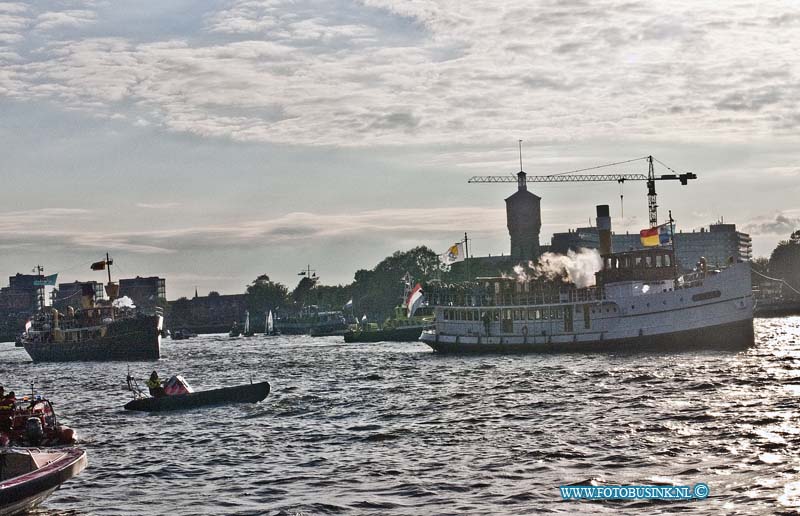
<point x="659" y="261"/>
<point x="446" y="315"/>
<point x="638" y="261"/>
<point x="497" y="288"/>
<point x="531" y="314"/>
<point x="648" y="261"/>
<point x="666" y="260"/>
<point x="496" y="315"/>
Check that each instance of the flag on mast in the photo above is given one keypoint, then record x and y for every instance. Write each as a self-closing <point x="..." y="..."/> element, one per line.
<point x="659" y="235"/>
<point x="99" y="266"/>
<point x="415" y="299"/>
<point x="453" y="255"/>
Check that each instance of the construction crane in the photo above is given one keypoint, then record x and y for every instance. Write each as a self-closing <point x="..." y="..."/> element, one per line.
<point x="573" y="176"/>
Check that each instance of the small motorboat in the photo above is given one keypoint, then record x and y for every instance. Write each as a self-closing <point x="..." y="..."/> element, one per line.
<point x="28" y="476"/>
<point x="32" y="421"/>
<point x="179" y="396"/>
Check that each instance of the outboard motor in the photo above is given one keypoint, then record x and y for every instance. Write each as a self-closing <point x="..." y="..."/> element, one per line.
<point x="34" y="433"/>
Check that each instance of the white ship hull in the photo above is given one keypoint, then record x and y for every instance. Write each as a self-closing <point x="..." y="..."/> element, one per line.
<point x="713" y="312"/>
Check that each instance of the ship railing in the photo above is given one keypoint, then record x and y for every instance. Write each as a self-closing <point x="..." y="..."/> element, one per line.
<point x="511" y="298"/>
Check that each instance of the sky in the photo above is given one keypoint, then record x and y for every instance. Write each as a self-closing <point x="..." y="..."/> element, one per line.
<point x="208" y="142"/>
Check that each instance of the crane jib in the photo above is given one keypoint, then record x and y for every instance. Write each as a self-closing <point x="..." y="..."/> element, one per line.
<point x="569" y="177"/>
<point x="683" y="178"/>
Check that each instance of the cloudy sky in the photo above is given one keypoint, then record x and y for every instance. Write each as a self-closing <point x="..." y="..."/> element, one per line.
<point x="211" y="141"/>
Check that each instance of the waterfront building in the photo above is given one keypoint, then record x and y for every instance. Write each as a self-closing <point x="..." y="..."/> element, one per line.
<point x="524" y="220"/>
<point x="573" y="240"/>
<point x="22" y="295"/>
<point x="18" y="301"/>
<point x="717" y="244"/>
<point x="144" y="292"/>
<point x="214" y="313"/>
<point x="70" y="294"/>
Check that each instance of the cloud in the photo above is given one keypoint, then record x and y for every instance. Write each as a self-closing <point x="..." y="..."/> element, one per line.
<point x="394" y="72"/>
<point x="158" y="206"/>
<point x="292" y="228"/>
<point x="59" y="19"/>
<point x="781" y="225"/>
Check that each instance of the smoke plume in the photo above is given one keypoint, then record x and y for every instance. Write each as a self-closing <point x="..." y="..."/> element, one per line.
<point x="123" y="302"/>
<point x="574" y="267"/>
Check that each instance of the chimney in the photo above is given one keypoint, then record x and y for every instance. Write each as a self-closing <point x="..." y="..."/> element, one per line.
<point x="604" y="229"/>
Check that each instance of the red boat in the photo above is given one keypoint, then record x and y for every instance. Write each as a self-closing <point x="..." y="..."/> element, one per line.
<point x="32" y="421"/>
<point x="28" y="476"/>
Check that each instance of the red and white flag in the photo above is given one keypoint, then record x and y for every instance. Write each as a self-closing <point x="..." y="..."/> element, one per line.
<point x="28" y="326"/>
<point x="415" y="299"/>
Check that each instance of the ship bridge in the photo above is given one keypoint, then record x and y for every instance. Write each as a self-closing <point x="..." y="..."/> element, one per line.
<point x="654" y="264"/>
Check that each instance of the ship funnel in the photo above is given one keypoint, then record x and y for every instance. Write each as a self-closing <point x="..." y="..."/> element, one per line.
<point x="112" y="291"/>
<point x="604" y="229"/>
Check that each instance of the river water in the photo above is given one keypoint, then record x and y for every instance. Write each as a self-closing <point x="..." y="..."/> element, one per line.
<point x="396" y="429"/>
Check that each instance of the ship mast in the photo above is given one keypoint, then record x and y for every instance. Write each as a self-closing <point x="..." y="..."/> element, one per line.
<point x="109" y="262"/>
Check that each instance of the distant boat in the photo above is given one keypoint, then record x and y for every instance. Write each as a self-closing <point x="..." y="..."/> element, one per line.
<point x="405" y="325"/>
<point x="312" y="321"/>
<point x="28" y="476"/>
<point x="269" y="325"/>
<point x="247" y="331"/>
<point x="183" y="334"/>
<point x="235" y="331"/>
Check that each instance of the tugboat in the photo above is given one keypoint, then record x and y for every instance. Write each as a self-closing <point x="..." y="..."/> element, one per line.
<point x="639" y="302"/>
<point x="105" y="330"/>
<point x="406" y="325"/>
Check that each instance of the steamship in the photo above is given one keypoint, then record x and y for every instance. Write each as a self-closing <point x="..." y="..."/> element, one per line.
<point x="98" y="331"/>
<point x="638" y="302"/>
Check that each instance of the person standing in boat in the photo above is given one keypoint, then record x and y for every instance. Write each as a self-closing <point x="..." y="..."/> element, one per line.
<point x="8" y="402"/>
<point x="154" y="385"/>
